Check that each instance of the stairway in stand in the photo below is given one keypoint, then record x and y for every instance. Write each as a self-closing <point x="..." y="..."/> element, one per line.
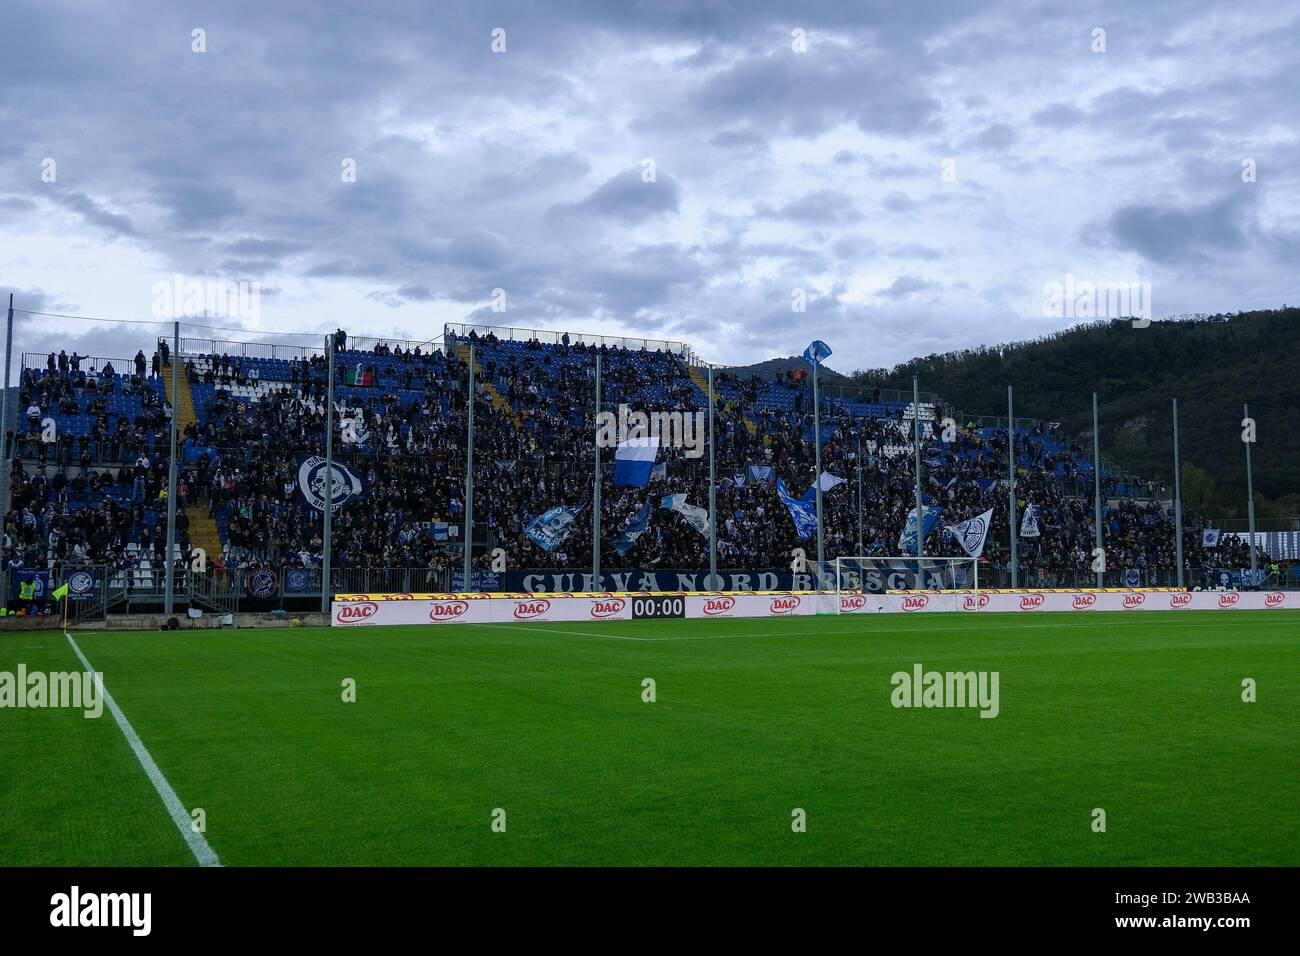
<point x="203" y="528"/>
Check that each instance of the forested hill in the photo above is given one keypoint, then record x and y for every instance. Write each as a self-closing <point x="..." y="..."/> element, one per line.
<point x="1211" y="364"/>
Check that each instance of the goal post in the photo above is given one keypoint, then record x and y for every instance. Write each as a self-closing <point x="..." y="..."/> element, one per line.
<point x="856" y="575"/>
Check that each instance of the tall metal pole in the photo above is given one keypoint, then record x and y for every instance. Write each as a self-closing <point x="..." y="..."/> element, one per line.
<point x="1011" y="488"/>
<point x="1096" y="488"/>
<point x="469" y="477"/>
<point x="1250" y="507"/>
<point x="325" y="577"/>
<point x="817" y="474"/>
<point x="859" y="489"/>
<point x="713" y="499"/>
<point x="595" y="497"/>
<point x="916" y="445"/>
<point x="1178" y="502"/>
<point x="4" y="413"/>
<point x="170" y="599"/>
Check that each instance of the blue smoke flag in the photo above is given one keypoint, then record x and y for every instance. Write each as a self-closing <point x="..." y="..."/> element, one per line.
<point x="907" y="540"/>
<point x="633" y="530"/>
<point x="549" y="529"/>
<point x="803" y="510"/>
<point x="634" y="460"/>
<point x="817" y="352"/>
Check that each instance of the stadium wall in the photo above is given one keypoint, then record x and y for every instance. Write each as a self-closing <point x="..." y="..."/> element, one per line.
<point x="352" y="610"/>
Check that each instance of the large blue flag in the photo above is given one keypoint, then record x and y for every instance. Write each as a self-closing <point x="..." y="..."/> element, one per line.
<point x="633" y="530"/>
<point x="549" y="529"/>
<point x="802" y="510"/>
<point x="817" y="352"/>
<point x="634" y="461"/>
<point x="907" y="540"/>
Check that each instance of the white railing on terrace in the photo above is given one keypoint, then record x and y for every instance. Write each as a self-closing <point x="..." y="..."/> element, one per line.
<point x="551" y="337"/>
<point x="276" y="350"/>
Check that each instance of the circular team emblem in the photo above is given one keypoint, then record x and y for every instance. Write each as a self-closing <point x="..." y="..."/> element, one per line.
<point x="261" y="584"/>
<point x="973" y="535"/>
<point x="296" y="579"/>
<point x="81" y="582"/>
<point x="311" y="479"/>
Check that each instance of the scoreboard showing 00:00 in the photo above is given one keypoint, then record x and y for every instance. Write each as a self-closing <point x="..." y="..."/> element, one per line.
<point x="663" y="605"/>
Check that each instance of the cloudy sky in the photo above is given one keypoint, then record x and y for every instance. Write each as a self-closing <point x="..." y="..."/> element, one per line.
<point x="668" y="168"/>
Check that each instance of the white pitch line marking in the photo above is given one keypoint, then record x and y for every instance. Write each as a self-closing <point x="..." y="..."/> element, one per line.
<point x="203" y="853"/>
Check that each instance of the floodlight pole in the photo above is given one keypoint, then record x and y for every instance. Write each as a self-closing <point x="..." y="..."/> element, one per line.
<point x="916" y="445"/>
<point x="595" y="498"/>
<point x="1178" y="502"/>
<point x="817" y="469"/>
<point x="1011" y="487"/>
<point x="469" y="478"/>
<point x="169" y="601"/>
<point x="1250" y="506"/>
<point x="4" y="413"/>
<point x="859" y="492"/>
<point x="328" y="511"/>
<point x="1096" y="490"/>
<point x="713" y="500"/>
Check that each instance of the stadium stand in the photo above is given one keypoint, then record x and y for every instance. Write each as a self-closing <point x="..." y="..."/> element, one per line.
<point x="95" y="492"/>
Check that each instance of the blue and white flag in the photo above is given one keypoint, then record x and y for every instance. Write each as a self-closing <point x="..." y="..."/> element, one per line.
<point x="1029" y="524"/>
<point x="659" y="472"/>
<point x="695" y="516"/>
<point x="739" y="479"/>
<point x="829" y="481"/>
<point x="1210" y="537"/>
<point x="907" y="540"/>
<point x="817" y="352"/>
<point x="549" y="529"/>
<point x="344" y="483"/>
<point x="634" y="460"/>
<point x="762" y="472"/>
<point x="972" y="533"/>
<point x="633" y="530"/>
<point x="802" y="510"/>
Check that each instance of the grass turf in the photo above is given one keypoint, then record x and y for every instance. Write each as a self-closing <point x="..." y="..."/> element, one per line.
<point x="1140" y="715"/>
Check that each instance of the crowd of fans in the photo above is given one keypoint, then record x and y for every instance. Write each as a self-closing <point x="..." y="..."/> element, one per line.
<point x="88" y="494"/>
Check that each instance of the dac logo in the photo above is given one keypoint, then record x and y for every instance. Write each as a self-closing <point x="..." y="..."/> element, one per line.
<point x="356" y="613"/>
<point x="447" y="610"/>
<point x="976" y="603"/>
<point x="399" y="597"/>
<point x="719" y="605"/>
<point x="602" y="609"/>
<point x="527" y="610"/>
<point x="1084" y="601"/>
<point x="855" y="603"/>
<point x="1134" y="600"/>
<point x="1180" y="600"/>
<point x="1031" y="602"/>
<point x="785" y="605"/>
<point x="1274" y="599"/>
<point x="915" y="603"/>
<point x="1229" y="600"/>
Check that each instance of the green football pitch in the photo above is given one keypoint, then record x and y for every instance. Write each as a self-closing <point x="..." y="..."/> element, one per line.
<point x="546" y="729"/>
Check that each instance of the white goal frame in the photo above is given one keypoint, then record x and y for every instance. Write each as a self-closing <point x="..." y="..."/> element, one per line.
<point x="844" y="566"/>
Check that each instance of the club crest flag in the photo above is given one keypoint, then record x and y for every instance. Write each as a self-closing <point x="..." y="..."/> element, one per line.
<point x="972" y="533"/>
<point x="1210" y="538"/>
<point x="695" y="516"/>
<point x="634" y="529"/>
<point x="549" y="529"/>
<point x="345" y="484"/>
